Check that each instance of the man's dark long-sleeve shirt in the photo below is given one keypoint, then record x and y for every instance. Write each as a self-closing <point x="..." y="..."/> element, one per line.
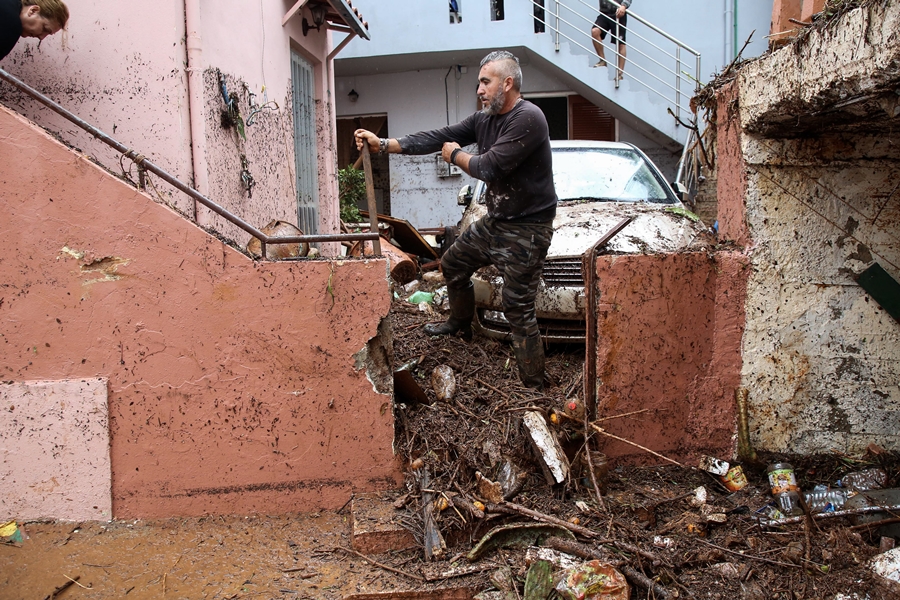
<point x="514" y="159"/>
<point x="10" y="25"/>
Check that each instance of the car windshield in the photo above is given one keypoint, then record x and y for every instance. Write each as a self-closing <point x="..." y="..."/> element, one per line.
<point x="606" y="175"/>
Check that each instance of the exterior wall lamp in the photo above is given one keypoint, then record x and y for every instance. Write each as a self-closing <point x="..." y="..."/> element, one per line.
<point x="353" y="95"/>
<point x="318" y="15"/>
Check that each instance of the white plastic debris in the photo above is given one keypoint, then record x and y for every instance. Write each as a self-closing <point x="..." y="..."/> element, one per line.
<point x="887" y="566"/>
<point x="714" y="465"/>
<point x="700" y="496"/>
<point x="547" y="446"/>
<point x="663" y="542"/>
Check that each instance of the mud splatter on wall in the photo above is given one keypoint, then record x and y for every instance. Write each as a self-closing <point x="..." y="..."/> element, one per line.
<point x="669" y="334"/>
<point x="251" y="165"/>
<point x="815" y="130"/>
<point x="233" y="385"/>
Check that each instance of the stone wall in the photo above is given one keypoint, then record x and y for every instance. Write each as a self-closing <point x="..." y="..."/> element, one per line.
<point x="816" y="126"/>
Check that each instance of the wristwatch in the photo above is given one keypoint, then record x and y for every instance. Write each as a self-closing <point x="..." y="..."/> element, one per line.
<point x="453" y="155"/>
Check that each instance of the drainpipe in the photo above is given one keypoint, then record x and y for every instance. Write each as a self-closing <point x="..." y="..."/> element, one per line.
<point x="729" y="43"/>
<point x="734" y="36"/>
<point x="195" y="104"/>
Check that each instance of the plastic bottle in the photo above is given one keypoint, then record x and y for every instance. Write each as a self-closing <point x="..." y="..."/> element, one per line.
<point x="825" y="499"/>
<point x="784" y="489"/>
<point x="869" y="479"/>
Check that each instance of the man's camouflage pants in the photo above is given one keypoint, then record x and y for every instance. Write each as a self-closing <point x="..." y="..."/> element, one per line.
<point x="517" y="250"/>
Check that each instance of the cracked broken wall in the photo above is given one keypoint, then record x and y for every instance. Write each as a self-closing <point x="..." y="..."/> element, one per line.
<point x="234" y="387"/>
<point x="669" y="333"/>
<point x="122" y="67"/>
<point x="810" y="186"/>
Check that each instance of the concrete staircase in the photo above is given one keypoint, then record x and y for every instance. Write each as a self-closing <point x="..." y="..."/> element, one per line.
<point x="563" y="52"/>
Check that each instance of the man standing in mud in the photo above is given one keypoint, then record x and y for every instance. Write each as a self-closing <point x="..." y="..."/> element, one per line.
<point x="515" y="162"/>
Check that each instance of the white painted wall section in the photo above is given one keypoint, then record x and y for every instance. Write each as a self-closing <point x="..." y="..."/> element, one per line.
<point x="54" y="451"/>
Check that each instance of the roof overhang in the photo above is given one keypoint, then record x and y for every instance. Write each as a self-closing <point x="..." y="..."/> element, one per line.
<point x="339" y="16"/>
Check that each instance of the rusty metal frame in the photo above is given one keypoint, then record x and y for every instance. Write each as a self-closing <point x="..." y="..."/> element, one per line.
<point x="144" y="164"/>
<point x="589" y="273"/>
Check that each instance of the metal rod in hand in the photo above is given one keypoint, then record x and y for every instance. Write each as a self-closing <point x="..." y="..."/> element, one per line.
<point x="370" y="197"/>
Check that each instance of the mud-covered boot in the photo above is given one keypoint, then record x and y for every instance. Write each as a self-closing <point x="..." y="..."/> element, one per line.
<point x="529" y="353"/>
<point x="462" y="311"/>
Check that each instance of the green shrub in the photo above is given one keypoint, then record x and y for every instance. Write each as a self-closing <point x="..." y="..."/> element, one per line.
<point x="351" y="189"/>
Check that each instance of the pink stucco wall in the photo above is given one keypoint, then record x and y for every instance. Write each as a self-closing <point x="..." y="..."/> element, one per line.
<point x="670" y="330"/>
<point x="123" y="68"/>
<point x="234" y="386"/>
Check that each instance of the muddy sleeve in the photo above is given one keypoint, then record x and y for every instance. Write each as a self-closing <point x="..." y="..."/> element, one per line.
<point x="520" y="136"/>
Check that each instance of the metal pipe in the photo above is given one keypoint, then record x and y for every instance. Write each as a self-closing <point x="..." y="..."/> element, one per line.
<point x="734" y="36"/>
<point x="557" y="25"/>
<point x="727" y="42"/>
<point x="589" y="274"/>
<point x="677" y="84"/>
<point x="144" y="163"/>
<point x="194" y="50"/>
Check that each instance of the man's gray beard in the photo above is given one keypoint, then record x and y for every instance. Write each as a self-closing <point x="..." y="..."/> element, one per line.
<point x="496" y="103"/>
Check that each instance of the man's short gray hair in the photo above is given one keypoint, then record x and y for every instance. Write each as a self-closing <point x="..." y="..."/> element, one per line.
<point x="508" y="66"/>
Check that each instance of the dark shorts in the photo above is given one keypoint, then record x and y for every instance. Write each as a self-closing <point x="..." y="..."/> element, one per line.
<point x="607" y="23"/>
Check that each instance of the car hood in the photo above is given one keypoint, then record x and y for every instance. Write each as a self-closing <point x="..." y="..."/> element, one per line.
<point x="578" y="226"/>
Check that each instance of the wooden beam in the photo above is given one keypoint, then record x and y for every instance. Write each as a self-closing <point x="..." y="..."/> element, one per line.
<point x="294" y="10"/>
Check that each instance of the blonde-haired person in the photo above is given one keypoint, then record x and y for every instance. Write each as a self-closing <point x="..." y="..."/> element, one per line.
<point x="29" y="18"/>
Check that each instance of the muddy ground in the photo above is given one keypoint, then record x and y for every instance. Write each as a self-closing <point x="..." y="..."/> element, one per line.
<point x="649" y="524"/>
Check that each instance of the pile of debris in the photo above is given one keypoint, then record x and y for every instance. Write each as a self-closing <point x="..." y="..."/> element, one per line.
<point x="503" y="501"/>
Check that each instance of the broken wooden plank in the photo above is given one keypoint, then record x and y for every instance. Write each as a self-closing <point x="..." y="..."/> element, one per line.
<point x="550" y="453"/>
<point x="370" y="195"/>
<point x="511" y="508"/>
<point x="435" y="547"/>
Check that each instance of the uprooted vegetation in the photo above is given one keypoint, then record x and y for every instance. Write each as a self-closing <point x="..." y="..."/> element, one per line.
<point x="653" y="522"/>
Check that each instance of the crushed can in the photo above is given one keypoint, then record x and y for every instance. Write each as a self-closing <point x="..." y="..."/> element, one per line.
<point x="734" y="479"/>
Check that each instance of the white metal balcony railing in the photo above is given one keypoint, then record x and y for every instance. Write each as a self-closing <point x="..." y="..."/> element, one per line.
<point x="655" y="60"/>
<point x="660" y="70"/>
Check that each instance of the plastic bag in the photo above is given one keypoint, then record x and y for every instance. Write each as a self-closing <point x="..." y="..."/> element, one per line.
<point x="593" y="580"/>
<point x="443" y="381"/>
<point x="419" y="297"/>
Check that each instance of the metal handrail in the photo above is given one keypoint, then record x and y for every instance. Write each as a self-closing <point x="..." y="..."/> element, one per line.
<point x="679" y="74"/>
<point x="143" y="163"/>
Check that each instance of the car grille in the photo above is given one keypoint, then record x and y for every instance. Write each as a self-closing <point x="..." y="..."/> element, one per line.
<point x="563" y="272"/>
<point x="493" y="324"/>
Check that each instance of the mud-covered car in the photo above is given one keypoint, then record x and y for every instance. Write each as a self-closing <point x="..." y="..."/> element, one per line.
<point x="598" y="185"/>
